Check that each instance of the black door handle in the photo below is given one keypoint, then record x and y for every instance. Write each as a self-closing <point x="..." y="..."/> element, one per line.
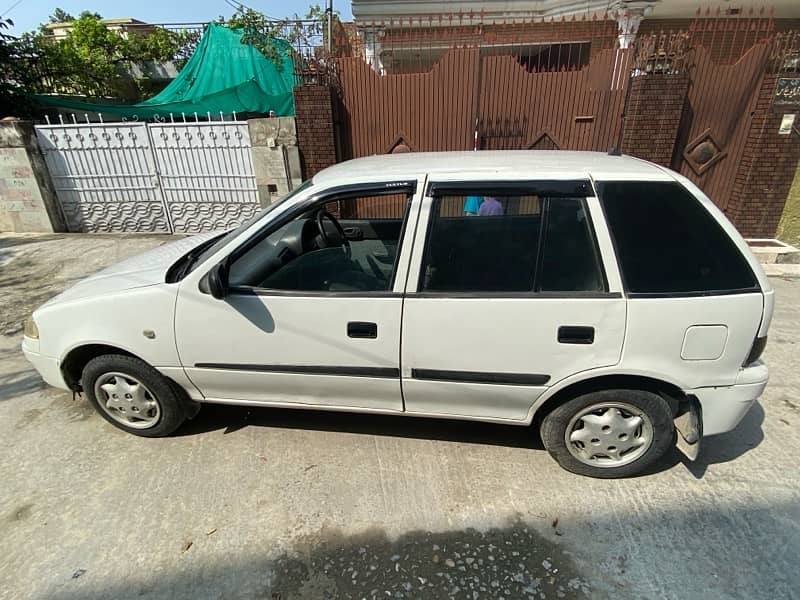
<point x="575" y="334"/>
<point x="353" y="233"/>
<point x="362" y="329"/>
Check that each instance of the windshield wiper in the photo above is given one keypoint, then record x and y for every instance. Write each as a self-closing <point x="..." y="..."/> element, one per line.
<point x="189" y="261"/>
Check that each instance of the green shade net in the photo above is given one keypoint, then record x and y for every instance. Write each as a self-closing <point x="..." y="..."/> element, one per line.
<point x="223" y="75"/>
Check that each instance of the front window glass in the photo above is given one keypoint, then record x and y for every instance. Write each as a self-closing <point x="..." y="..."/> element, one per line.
<point x="346" y="245"/>
<point x="228" y="236"/>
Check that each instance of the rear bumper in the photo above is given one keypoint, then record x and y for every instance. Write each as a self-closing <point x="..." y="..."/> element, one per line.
<point x="724" y="407"/>
<point x="47" y="366"/>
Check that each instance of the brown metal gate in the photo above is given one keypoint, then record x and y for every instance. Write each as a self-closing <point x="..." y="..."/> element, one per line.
<point x="511" y="107"/>
<point x="425" y="111"/>
<point x="539" y="108"/>
<point x="692" y="99"/>
<point x="725" y="62"/>
<point x="474" y="86"/>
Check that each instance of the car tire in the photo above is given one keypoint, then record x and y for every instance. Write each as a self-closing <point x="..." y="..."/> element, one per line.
<point x="132" y="395"/>
<point x="609" y="433"/>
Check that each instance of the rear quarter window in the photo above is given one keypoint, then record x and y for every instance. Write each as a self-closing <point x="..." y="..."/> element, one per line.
<point x="667" y="243"/>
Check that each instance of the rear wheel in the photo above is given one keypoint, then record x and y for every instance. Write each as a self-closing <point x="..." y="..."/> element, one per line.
<point x="132" y="395"/>
<point x="609" y="433"/>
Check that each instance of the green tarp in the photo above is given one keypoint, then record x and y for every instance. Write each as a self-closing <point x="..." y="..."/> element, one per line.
<point x="223" y="75"/>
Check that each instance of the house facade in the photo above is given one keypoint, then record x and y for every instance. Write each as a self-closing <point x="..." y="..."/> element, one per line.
<point x="713" y="94"/>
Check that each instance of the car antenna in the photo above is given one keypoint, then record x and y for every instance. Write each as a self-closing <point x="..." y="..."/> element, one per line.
<point x="614" y="151"/>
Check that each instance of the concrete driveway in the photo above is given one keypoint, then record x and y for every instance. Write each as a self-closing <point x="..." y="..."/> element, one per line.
<point x="278" y="504"/>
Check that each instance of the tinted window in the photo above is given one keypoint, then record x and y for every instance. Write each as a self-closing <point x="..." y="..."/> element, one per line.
<point x="570" y="261"/>
<point x="667" y="242"/>
<point x="493" y="244"/>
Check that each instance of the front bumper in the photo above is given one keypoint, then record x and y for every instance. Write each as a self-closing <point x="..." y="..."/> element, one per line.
<point x="47" y="366"/>
<point x="724" y="407"/>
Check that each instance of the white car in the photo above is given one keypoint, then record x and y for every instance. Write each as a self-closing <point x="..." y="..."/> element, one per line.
<point x="603" y="299"/>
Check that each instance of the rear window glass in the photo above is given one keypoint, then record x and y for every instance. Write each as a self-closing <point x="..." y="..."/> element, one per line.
<point x="668" y="243"/>
<point x="503" y="244"/>
<point x="483" y="244"/>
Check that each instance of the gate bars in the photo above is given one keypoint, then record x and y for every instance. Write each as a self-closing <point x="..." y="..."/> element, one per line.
<point x="168" y="177"/>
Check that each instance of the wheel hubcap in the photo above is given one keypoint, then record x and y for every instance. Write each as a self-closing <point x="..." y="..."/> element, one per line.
<point x="609" y="434"/>
<point x="127" y="400"/>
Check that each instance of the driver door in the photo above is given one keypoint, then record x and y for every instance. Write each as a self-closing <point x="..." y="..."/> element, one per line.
<point x="311" y="319"/>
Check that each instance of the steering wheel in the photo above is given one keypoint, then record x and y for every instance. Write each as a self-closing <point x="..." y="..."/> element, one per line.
<point x="327" y="239"/>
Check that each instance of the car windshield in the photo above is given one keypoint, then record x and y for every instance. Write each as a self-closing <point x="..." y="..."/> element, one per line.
<point x="228" y="236"/>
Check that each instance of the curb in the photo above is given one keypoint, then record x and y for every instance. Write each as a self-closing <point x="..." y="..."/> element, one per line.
<point x="777" y="258"/>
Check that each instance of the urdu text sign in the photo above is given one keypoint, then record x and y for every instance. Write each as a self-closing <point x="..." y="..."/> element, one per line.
<point x="787" y="93"/>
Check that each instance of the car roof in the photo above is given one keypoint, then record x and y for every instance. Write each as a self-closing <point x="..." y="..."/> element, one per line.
<point x="492" y="165"/>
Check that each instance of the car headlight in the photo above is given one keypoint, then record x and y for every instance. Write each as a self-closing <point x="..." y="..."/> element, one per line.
<point x="30" y="330"/>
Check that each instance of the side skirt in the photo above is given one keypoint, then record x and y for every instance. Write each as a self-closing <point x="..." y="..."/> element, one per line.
<point x="350" y="409"/>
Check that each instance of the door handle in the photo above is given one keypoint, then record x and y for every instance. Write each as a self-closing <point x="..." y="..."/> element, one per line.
<point x="362" y="329"/>
<point x="575" y="334"/>
<point x="353" y="233"/>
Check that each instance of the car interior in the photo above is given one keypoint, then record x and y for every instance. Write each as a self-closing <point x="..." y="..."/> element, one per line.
<point x="351" y="245"/>
<point x="346" y="245"/>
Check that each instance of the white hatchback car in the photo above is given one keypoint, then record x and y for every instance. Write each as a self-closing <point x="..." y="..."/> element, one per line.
<point x="602" y="298"/>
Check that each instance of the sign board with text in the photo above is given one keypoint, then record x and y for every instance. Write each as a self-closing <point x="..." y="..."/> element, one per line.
<point x="787" y="93"/>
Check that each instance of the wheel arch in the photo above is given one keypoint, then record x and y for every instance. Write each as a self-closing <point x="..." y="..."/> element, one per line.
<point x="78" y="357"/>
<point x="670" y="391"/>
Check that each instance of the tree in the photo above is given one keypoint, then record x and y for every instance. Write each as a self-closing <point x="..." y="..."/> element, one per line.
<point x="302" y="33"/>
<point x="7" y="83"/>
<point x="160" y="45"/>
<point x="60" y="16"/>
<point x="87" y="57"/>
<point x="92" y="60"/>
<point x="16" y="67"/>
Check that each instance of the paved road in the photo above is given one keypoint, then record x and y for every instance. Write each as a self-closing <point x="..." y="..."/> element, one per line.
<point x="283" y="504"/>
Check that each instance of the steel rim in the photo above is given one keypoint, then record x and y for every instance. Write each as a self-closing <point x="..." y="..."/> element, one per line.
<point x="127" y="400"/>
<point x="609" y="434"/>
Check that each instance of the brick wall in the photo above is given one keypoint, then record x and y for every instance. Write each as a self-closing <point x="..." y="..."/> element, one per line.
<point x="655" y="105"/>
<point x="315" y="128"/>
<point x="766" y="170"/>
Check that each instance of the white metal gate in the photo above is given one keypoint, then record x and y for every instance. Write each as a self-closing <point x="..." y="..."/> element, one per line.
<point x="182" y="177"/>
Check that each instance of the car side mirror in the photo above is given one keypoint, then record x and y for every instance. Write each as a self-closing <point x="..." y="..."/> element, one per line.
<point x="217" y="281"/>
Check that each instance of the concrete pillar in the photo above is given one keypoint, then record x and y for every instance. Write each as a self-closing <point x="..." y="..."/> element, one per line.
<point x="629" y="15"/>
<point x="28" y="201"/>
<point x="373" y="49"/>
<point x="276" y="159"/>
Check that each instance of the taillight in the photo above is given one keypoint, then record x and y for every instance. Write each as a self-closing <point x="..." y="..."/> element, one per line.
<point x="755" y="352"/>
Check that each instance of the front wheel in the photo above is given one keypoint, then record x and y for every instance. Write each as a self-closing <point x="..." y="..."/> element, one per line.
<point x="132" y="395"/>
<point x="609" y="433"/>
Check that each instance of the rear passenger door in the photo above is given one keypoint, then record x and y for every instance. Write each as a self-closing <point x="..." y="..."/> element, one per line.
<point x="506" y="302"/>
